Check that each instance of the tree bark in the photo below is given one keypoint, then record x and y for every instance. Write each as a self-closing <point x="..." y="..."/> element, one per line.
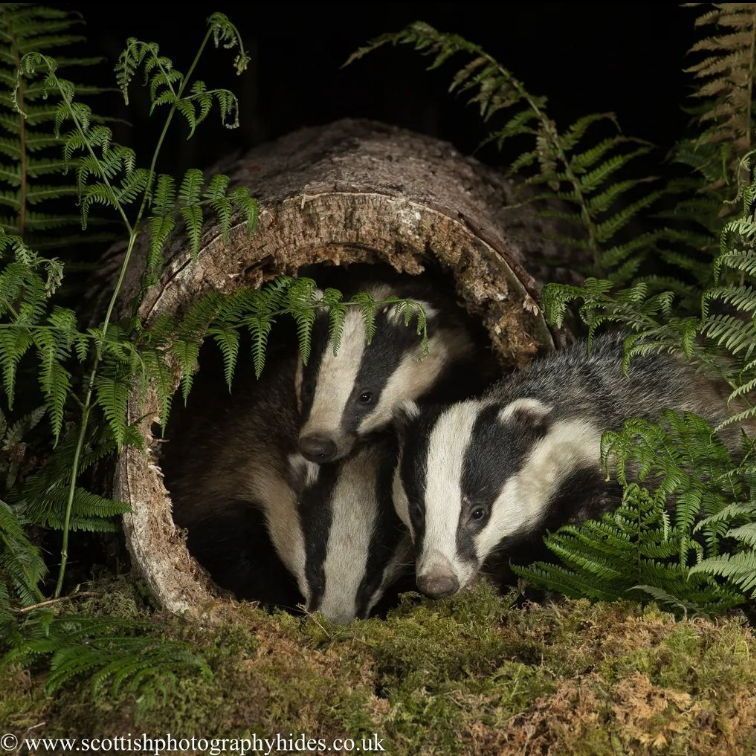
<point x="349" y="192"/>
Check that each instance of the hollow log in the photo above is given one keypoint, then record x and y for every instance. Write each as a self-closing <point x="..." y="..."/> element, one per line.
<point x="349" y="192"/>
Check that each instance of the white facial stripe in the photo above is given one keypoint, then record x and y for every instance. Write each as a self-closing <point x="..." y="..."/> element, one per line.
<point x="336" y="377"/>
<point x="415" y="375"/>
<point x="529" y="405"/>
<point x="443" y="485"/>
<point x="568" y="446"/>
<point x="353" y="515"/>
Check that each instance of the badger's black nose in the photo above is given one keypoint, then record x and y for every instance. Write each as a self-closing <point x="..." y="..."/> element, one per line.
<point x="437" y="586"/>
<point x="318" y="448"/>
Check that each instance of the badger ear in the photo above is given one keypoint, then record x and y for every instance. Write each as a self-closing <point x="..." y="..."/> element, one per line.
<point x="396" y="314"/>
<point x="526" y="412"/>
<point x="404" y="414"/>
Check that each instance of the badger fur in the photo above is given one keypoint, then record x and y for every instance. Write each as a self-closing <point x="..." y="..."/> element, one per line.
<point x="348" y="394"/>
<point x="483" y="475"/>
<point x="224" y="457"/>
<point x="235" y="474"/>
<point x="353" y="545"/>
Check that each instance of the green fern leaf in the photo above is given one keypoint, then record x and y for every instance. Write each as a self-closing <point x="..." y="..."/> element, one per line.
<point x="227" y="340"/>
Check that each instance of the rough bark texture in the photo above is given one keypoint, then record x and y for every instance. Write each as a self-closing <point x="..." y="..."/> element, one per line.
<point x="350" y="192"/>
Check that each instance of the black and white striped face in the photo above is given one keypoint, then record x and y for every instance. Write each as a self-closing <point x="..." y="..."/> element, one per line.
<point x="475" y="474"/>
<point x="354" y="392"/>
<point x="351" y="546"/>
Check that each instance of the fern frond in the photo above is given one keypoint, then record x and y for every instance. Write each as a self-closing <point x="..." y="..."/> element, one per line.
<point x="112" y="397"/>
<point x="682" y="496"/>
<point x="29" y="129"/>
<point x="227" y="340"/>
<point x="43" y="497"/>
<point x="581" y="175"/>
<point x="113" y="654"/>
<point x="724" y="75"/>
<point x="738" y="569"/>
<point x="22" y="567"/>
<point x="187" y="354"/>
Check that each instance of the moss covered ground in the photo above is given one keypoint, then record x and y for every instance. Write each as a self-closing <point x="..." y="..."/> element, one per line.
<point x="475" y="674"/>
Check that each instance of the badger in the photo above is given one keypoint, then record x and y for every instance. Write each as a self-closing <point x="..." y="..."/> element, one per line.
<point x="344" y="542"/>
<point x="269" y="524"/>
<point x="347" y="394"/>
<point x="486" y="475"/>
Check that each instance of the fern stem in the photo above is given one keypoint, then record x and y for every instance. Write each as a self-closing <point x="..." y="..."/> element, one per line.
<point x="751" y="72"/>
<point x="85" y="412"/>
<point x="133" y="231"/>
<point x="552" y="134"/>
<point x="167" y="124"/>
<point x="86" y="408"/>
<point x="52" y="601"/>
<point x="90" y="150"/>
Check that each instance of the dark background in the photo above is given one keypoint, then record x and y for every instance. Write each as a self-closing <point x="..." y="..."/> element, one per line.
<point x="621" y="57"/>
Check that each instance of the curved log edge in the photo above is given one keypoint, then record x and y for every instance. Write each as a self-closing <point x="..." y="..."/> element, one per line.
<point x="349" y="192"/>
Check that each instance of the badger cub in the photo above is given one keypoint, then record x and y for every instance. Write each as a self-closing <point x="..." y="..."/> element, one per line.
<point x="310" y="448"/>
<point x="347" y="395"/>
<point x="336" y="540"/>
<point x="482" y="475"/>
<point x="349" y="544"/>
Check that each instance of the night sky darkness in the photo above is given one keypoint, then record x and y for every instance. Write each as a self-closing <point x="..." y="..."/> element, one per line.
<point x="621" y="57"/>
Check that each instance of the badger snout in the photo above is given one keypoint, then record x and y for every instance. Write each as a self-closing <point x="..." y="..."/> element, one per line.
<point x="437" y="579"/>
<point x="437" y="586"/>
<point x="318" y="447"/>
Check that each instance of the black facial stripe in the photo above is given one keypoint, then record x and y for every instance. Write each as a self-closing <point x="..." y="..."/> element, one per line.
<point x="496" y="452"/>
<point x="413" y="469"/>
<point x="311" y="369"/>
<point x="315" y="517"/>
<point x="583" y="494"/>
<point x="380" y="359"/>
<point x="466" y="536"/>
<point x="387" y="532"/>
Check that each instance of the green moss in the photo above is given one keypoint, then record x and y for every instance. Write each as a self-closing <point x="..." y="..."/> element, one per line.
<point x="472" y="674"/>
<point x="22" y="700"/>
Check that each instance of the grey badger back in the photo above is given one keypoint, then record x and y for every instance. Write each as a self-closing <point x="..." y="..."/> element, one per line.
<point x="352" y="393"/>
<point x="481" y="475"/>
<point x="333" y="527"/>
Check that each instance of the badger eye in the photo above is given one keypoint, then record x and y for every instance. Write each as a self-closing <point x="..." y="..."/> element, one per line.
<point x="365" y="397"/>
<point x="478" y="513"/>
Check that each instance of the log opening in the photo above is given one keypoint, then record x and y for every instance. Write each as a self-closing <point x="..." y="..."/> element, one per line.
<point x="353" y="192"/>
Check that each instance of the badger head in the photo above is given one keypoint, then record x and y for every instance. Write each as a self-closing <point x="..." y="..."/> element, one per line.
<point x="348" y="393"/>
<point x="351" y="544"/>
<point x="475" y="474"/>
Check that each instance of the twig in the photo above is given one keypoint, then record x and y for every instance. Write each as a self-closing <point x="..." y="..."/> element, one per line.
<point x="49" y="602"/>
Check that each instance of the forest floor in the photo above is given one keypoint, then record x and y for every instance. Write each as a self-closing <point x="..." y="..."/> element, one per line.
<point x="475" y="674"/>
